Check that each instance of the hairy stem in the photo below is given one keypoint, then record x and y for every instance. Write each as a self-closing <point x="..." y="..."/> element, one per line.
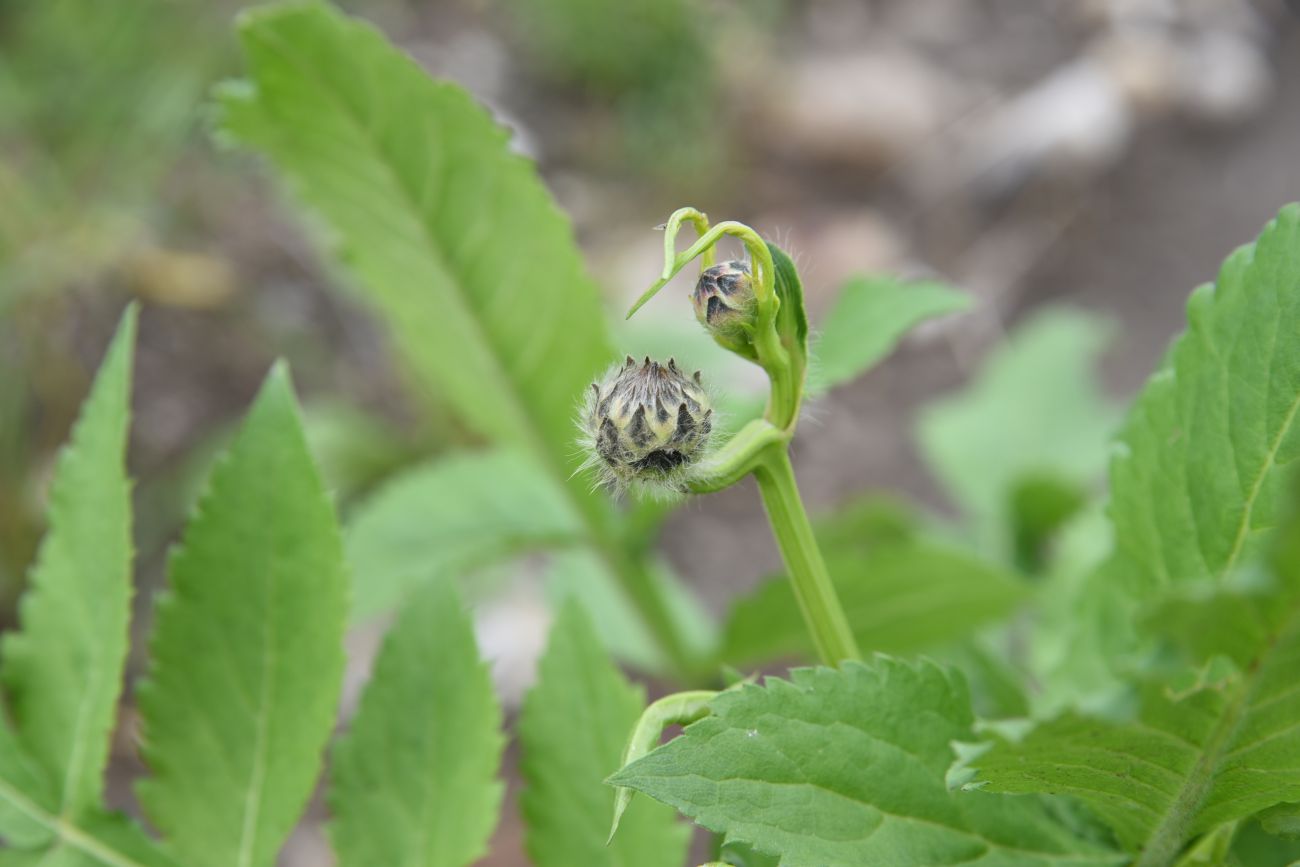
<point x="818" y="602"/>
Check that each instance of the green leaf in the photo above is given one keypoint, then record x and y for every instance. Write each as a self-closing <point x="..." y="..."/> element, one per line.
<point x="452" y="237"/>
<point x="1034" y="408"/>
<point x="1255" y="846"/>
<point x="27" y="799"/>
<point x="900" y="598"/>
<point x="415" y="777"/>
<point x="574" y="724"/>
<point x="451" y="515"/>
<point x="1189" y="762"/>
<point x="847" y="766"/>
<point x="33" y="832"/>
<point x="247" y="655"/>
<point x="97" y="840"/>
<point x="63" y="668"/>
<point x="580" y="575"/>
<point x="871" y="315"/>
<point x="1197" y="482"/>
<point x="1282" y="820"/>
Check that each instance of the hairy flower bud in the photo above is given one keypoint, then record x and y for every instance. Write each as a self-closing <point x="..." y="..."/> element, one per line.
<point x="724" y="304"/>
<point x="647" y="423"/>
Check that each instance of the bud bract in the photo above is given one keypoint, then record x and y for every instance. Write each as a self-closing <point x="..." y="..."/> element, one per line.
<point x="647" y="423"/>
<point x="724" y="303"/>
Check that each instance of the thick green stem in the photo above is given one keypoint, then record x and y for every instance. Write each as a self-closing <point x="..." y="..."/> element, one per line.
<point x="817" y="599"/>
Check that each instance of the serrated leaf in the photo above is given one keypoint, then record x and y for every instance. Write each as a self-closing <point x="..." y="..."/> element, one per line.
<point x="899" y="598"/>
<point x="415" y="778"/>
<point x="1197" y="482"/>
<point x="847" y="767"/>
<point x="63" y="667"/>
<point x="450" y="515"/>
<point x="1189" y="762"/>
<point x="1034" y="408"/>
<point x="572" y="730"/>
<point x="97" y="840"/>
<point x="34" y="833"/>
<point x="452" y="237"/>
<point x="869" y="318"/>
<point x="247" y="656"/>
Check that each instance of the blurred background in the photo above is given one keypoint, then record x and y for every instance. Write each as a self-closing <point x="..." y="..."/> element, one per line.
<point x="1099" y="154"/>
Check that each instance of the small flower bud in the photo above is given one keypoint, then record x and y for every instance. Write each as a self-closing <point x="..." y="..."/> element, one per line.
<point x="647" y="423"/>
<point x="724" y="304"/>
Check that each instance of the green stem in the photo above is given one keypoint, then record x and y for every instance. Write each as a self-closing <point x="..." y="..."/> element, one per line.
<point x="817" y="599"/>
<point x="647" y="594"/>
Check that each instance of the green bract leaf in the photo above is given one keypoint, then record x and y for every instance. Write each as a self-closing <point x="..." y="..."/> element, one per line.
<point x="847" y="767"/>
<point x="64" y="667"/>
<point x="247" y="656"/>
<point x="1197" y="481"/>
<point x="574" y="725"/>
<point x="415" y="777"/>
<point x="901" y="598"/>
<point x="1035" y="408"/>
<point x="867" y="321"/>
<point x="450" y="515"/>
<point x="452" y="236"/>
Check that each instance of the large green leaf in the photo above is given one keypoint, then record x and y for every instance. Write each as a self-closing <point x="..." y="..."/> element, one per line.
<point x="1224" y="748"/>
<point x="572" y="731"/>
<point x="1198" y="479"/>
<point x="900" y="598"/>
<point x="867" y="321"/>
<point x="415" y="777"/>
<point x="1035" y="409"/>
<point x="63" y="668"/>
<point x="847" y="767"/>
<point x="247" y="656"/>
<point x="450" y="515"/>
<point x="452" y="237"/>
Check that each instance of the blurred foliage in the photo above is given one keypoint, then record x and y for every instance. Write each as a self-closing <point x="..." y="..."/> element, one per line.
<point x="654" y="68"/>
<point x="96" y="102"/>
<point x="1035" y="410"/>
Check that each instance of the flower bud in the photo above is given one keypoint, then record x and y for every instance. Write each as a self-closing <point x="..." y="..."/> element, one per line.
<point x="647" y="423"/>
<point x="724" y="304"/>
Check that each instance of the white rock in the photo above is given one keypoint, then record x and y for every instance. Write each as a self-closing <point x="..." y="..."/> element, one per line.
<point x="1074" y="123"/>
<point x="1224" y="78"/>
<point x="859" y="110"/>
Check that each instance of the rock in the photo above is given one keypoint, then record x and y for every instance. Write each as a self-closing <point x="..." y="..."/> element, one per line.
<point x="1223" y="78"/>
<point x="863" y="110"/>
<point x="1074" y="123"/>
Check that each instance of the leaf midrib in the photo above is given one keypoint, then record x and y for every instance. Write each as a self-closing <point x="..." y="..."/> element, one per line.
<point x="523" y="418"/>
<point x="64" y="830"/>
<point x="1239" y="541"/>
<point x="1170" y="835"/>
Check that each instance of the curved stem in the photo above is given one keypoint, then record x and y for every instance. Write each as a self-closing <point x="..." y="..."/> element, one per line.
<point x="818" y="602"/>
<point x="738" y="457"/>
